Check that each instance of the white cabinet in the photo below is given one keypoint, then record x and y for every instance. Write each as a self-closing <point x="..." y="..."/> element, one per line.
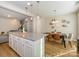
<point x="28" y="51"/>
<point x="20" y="47"/>
<point x="28" y="48"/>
<point x="25" y="47"/>
<point x="33" y="24"/>
<point x="14" y="43"/>
<point x="10" y="41"/>
<point x="29" y="25"/>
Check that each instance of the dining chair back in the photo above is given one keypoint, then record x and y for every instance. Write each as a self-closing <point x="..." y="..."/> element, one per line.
<point x="70" y="38"/>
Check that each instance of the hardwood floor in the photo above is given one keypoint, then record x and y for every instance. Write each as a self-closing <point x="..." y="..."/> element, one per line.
<point x="6" y="51"/>
<point x="53" y="49"/>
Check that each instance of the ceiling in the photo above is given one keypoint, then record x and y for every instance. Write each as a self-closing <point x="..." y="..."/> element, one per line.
<point x="9" y="14"/>
<point x="46" y="8"/>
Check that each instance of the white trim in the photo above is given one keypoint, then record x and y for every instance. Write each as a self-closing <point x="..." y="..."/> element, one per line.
<point x="64" y="53"/>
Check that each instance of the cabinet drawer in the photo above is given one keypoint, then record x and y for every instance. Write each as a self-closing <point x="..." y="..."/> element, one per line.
<point x="30" y="43"/>
<point x="20" y="40"/>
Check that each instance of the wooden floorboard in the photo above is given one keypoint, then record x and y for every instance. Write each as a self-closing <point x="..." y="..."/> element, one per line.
<point x="6" y="51"/>
<point x="53" y="48"/>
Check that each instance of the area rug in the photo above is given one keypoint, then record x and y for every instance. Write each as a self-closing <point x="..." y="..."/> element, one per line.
<point x="55" y="49"/>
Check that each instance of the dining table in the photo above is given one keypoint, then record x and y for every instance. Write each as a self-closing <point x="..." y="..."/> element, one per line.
<point x="56" y="36"/>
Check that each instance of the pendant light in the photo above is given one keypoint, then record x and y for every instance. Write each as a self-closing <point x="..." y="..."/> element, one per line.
<point x="54" y="19"/>
<point x="29" y="8"/>
<point x="38" y="9"/>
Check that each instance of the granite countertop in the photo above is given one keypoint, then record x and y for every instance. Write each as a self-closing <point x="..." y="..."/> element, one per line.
<point x="29" y="36"/>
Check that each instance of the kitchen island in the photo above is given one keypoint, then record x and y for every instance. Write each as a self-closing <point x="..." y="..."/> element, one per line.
<point x="27" y="44"/>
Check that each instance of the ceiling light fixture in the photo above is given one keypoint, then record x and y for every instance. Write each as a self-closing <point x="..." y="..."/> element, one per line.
<point x="28" y="4"/>
<point x="31" y="18"/>
<point x="38" y="10"/>
<point x="37" y="1"/>
<point x="54" y="21"/>
<point x="8" y="15"/>
<point x="38" y="17"/>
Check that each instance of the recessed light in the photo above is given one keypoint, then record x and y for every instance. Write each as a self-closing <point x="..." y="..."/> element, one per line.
<point x="28" y="4"/>
<point x="38" y="17"/>
<point x="31" y="18"/>
<point x="8" y="15"/>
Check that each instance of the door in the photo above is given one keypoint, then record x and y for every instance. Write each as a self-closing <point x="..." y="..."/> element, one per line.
<point x="11" y="41"/>
<point x="15" y="43"/>
<point x="28" y="51"/>
<point x="20" y="47"/>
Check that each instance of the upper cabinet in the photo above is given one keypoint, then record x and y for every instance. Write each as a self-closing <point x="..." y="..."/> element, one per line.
<point x="32" y="24"/>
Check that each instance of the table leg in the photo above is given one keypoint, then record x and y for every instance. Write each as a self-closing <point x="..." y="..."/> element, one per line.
<point x="64" y="44"/>
<point x="63" y="41"/>
<point x="70" y="44"/>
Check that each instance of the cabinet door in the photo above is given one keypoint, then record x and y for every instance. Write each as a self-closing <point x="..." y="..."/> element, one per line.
<point x="28" y="51"/>
<point x="15" y="43"/>
<point x="11" y="41"/>
<point x="20" y="47"/>
<point x="30" y="25"/>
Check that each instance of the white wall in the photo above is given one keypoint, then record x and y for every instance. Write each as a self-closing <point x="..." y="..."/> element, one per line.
<point x="77" y="24"/>
<point x="8" y="24"/>
<point x="71" y="28"/>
